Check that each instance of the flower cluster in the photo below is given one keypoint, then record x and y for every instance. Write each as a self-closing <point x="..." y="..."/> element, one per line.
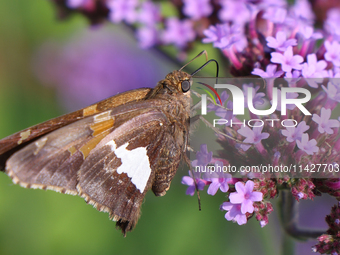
<point x="241" y="202"/>
<point x="291" y="139"/>
<point x="85" y="69"/>
<point x="330" y="243"/>
<point x="145" y="16"/>
<point x="241" y="194"/>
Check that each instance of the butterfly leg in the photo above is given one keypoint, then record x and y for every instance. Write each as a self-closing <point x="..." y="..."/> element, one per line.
<point x="169" y="159"/>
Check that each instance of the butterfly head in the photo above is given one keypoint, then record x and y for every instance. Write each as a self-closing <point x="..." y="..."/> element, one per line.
<point x="178" y="82"/>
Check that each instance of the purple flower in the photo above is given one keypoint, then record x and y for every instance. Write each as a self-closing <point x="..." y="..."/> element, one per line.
<point x="245" y="196"/>
<point x="203" y="157"/>
<point x="269" y="73"/>
<point x="302" y="10"/>
<point x="252" y="136"/>
<point x="306" y="145"/>
<point x="222" y="112"/>
<point x="287" y="60"/>
<point x="147" y="37"/>
<point x="332" y="23"/>
<point x="225" y="36"/>
<point x="289" y="95"/>
<point x="218" y="183"/>
<point x="314" y="69"/>
<point x="218" y="180"/>
<point x="293" y="77"/>
<point x="178" y="32"/>
<point x="335" y="73"/>
<point x="235" y="11"/>
<point x="272" y="3"/>
<point x="280" y="42"/>
<point x="234" y="213"/>
<point x="149" y="14"/>
<point x="332" y="90"/>
<point x="91" y="58"/>
<point x="225" y="114"/>
<point x="308" y="33"/>
<point x="189" y="180"/>
<point x="275" y="14"/>
<point x="325" y="124"/>
<point x="295" y="133"/>
<point x="197" y="9"/>
<point x="296" y="75"/>
<point x="122" y="10"/>
<point x="257" y="97"/>
<point x="213" y="107"/>
<point x="332" y="52"/>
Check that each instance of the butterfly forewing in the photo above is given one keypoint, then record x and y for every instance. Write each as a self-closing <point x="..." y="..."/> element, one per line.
<point x="13" y="143"/>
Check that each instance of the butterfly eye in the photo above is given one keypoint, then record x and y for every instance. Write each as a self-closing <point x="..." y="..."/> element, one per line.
<point x="185" y="85"/>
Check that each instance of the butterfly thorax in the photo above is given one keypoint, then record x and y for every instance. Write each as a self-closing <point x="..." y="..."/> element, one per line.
<point x="177" y="102"/>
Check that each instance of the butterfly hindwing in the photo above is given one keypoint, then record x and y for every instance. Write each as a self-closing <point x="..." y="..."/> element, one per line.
<point x="121" y="169"/>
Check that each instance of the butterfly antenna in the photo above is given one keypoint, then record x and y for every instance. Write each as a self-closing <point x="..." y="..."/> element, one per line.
<point x="200" y="54"/>
<point x="211" y="60"/>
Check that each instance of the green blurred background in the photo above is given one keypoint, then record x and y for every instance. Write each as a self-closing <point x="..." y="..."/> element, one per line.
<point x="46" y="222"/>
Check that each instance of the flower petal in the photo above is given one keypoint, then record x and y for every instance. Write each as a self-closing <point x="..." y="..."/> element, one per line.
<point x="186" y="180"/>
<point x="213" y="187"/>
<point x="190" y="190"/>
<point x="249" y="187"/>
<point x="226" y="206"/>
<point x="241" y="219"/>
<point x="247" y="206"/>
<point x="236" y="198"/>
<point x="256" y="196"/>
<point x="224" y="187"/>
<point x="239" y="186"/>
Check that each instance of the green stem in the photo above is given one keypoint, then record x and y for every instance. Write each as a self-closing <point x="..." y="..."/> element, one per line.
<point x="288" y="245"/>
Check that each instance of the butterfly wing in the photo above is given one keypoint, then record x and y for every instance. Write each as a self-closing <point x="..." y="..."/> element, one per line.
<point x="111" y="159"/>
<point x="123" y="167"/>
<point x="13" y="143"/>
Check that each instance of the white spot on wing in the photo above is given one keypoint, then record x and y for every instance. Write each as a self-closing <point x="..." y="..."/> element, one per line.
<point x="135" y="164"/>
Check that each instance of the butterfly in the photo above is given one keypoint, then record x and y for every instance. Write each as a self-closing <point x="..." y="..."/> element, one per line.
<point x="110" y="153"/>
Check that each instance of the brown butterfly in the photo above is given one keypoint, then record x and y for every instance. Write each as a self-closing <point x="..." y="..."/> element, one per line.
<point x="110" y="153"/>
